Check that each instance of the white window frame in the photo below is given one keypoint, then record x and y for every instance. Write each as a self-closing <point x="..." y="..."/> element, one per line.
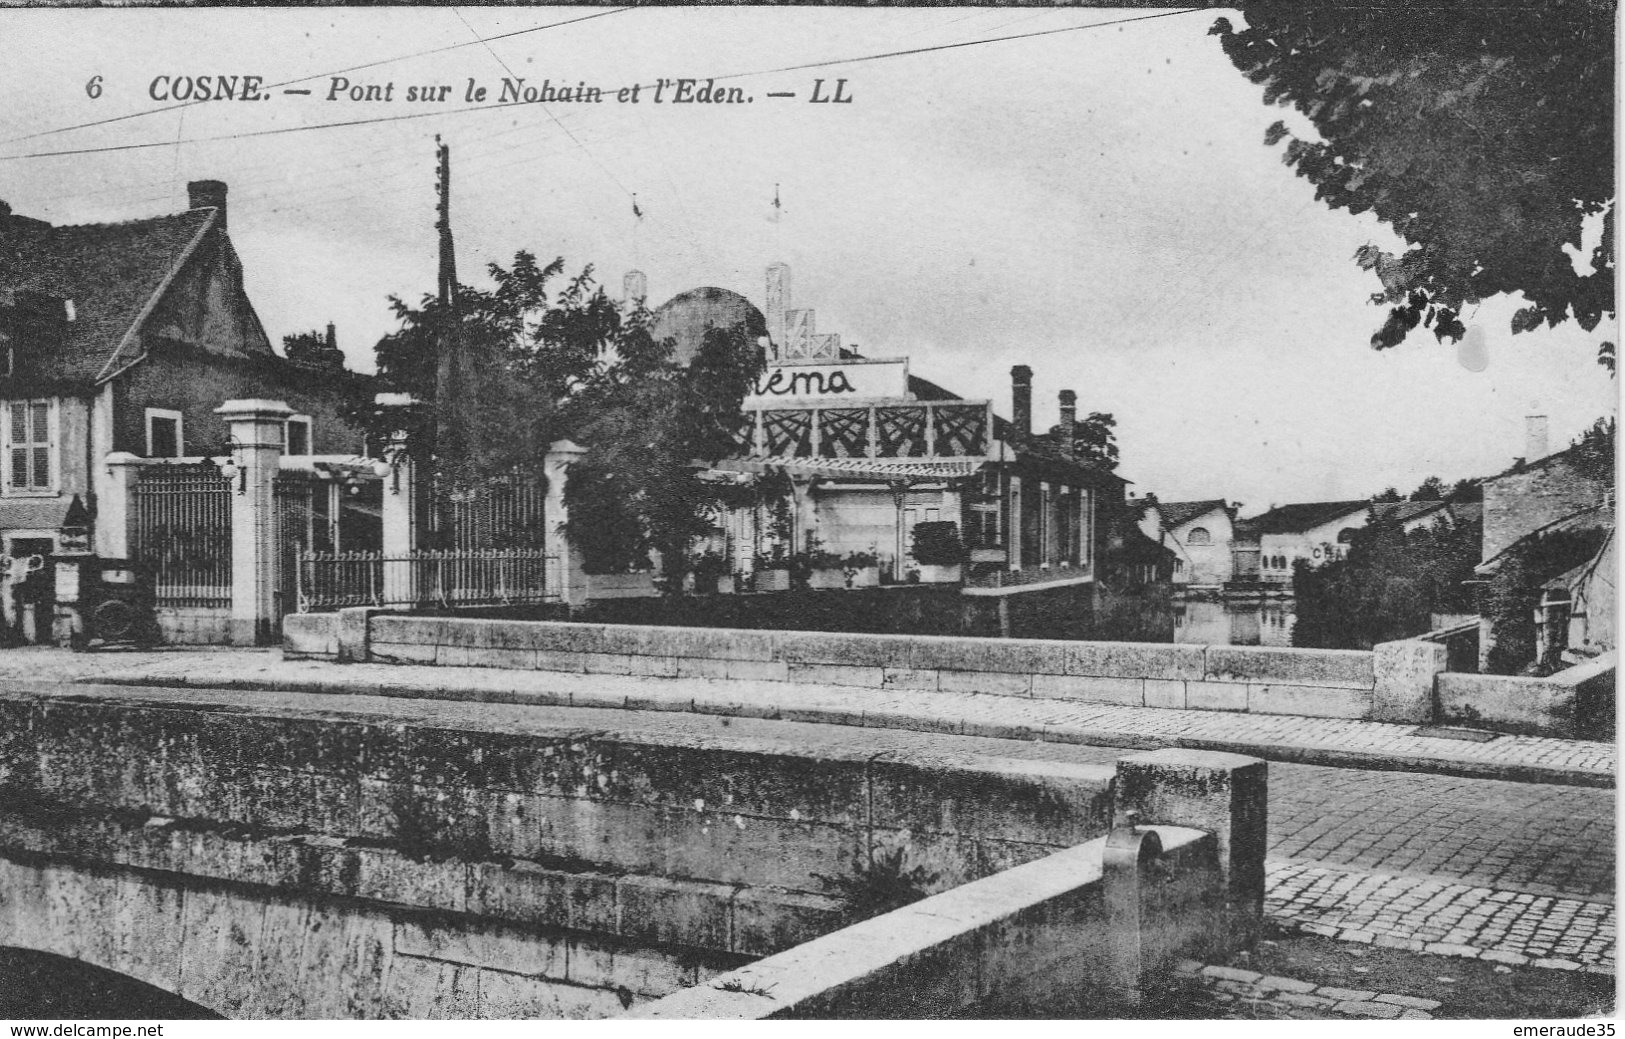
<point x="180" y="430"/>
<point x="53" y="444"/>
<point x="310" y="436"/>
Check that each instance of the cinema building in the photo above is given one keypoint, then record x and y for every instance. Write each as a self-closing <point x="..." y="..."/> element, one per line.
<point x="852" y="453"/>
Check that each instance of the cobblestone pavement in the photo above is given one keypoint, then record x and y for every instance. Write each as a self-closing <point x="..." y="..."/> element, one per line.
<point x="1445" y="919"/>
<point x="1235" y="989"/>
<point x="1288" y="737"/>
<point x="1526" y="837"/>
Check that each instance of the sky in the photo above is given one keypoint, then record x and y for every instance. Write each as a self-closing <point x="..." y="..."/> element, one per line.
<point x="1096" y="203"/>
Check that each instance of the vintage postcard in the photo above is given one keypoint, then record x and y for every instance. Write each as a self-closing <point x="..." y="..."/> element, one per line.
<point x="701" y="513"/>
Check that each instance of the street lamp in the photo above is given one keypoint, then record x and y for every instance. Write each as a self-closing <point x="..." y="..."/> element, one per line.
<point x="228" y="467"/>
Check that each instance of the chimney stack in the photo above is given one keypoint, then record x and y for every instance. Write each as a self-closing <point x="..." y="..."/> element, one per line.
<point x="208" y="194"/>
<point x="1021" y="399"/>
<point x="1534" y="438"/>
<point x="635" y="288"/>
<point x="778" y="303"/>
<point x="1069" y="418"/>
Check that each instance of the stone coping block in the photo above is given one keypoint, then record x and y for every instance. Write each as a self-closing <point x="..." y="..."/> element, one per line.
<point x="1404" y="672"/>
<point x="1135" y="660"/>
<point x="1010" y="656"/>
<point x="310" y="636"/>
<point x="1224" y="794"/>
<point x="950" y="951"/>
<point x="1338" y="668"/>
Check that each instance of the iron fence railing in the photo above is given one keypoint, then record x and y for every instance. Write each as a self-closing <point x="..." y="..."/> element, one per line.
<point x="180" y="528"/>
<point x="496" y="577"/>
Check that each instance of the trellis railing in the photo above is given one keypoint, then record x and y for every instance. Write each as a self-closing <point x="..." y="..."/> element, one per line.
<point x="495" y="577"/>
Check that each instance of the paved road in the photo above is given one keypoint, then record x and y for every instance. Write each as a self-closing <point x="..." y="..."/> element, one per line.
<point x="1531" y="838"/>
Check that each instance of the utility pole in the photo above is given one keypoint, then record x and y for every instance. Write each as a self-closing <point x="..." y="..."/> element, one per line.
<point x="456" y="437"/>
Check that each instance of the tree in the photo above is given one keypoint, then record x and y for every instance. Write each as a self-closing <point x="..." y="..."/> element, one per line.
<point x="550" y="364"/>
<point x="1466" y="490"/>
<point x="1594" y="452"/>
<point x="1483" y="137"/>
<point x="303" y="346"/>
<point x="1094" y="440"/>
<point x="1390" y="494"/>
<point x="1387" y="586"/>
<point x="1431" y="489"/>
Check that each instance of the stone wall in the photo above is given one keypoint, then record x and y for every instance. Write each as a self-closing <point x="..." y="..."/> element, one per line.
<point x="418" y="839"/>
<point x="247" y="952"/>
<point x="1316" y="683"/>
<point x="1078" y="934"/>
<point x="1033" y="941"/>
<point x="1575" y="703"/>
<point x="1519" y="503"/>
<point x="194" y="625"/>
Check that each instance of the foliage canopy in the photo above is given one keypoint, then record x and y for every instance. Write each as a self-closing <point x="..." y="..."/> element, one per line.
<point x="553" y="361"/>
<point x="1483" y="138"/>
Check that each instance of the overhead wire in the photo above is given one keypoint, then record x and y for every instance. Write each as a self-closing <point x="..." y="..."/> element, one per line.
<point x="499" y="105"/>
<point x="318" y="75"/>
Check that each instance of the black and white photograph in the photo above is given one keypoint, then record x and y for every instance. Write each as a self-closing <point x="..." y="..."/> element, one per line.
<point x="728" y="513"/>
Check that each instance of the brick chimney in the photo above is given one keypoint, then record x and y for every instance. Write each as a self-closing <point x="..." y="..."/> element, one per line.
<point x="208" y="194"/>
<point x="1069" y="418"/>
<point x="1534" y="438"/>
<point x="1021" y="399"/>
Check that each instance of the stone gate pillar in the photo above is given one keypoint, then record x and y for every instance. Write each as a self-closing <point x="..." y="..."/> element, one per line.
<point x="113" y="510"/>
<point x="257" y="430"/>
<point x="399" y="472"/>
<point x="570" y="582"/>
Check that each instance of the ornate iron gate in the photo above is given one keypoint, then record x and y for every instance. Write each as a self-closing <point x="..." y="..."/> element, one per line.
<point x="180" y="528"/>
<point x="299" y="501"/>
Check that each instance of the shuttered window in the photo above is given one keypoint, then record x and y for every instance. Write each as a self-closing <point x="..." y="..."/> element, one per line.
<point x="29" y="446"/>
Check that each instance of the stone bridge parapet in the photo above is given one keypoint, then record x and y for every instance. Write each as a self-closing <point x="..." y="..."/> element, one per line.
<point x="278" y="855"/>
<point x="1394" y="682"/>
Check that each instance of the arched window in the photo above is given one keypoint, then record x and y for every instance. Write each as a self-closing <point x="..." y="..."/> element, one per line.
<point x="1280" y="562"/>
<point x="1199" y="536"/>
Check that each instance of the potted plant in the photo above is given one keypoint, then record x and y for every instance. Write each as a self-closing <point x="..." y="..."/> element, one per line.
<point x="861" y="569"/>
<point x="938" y="551"/>
<point x="825" y="569"/>
<point x="708" y="568"/>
